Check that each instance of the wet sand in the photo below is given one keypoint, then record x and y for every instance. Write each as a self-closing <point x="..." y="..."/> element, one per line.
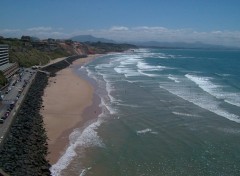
<point x="67" y="104"/>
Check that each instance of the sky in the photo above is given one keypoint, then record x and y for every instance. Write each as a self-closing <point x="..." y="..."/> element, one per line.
<point x="207" y="21"/>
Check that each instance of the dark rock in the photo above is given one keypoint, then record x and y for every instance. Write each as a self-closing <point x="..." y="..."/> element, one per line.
<point x="24" y="151"/>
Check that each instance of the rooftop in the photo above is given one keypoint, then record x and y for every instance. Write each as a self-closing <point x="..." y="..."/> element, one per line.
<point x="5" y="66"/>
<point x="3" y="45"/>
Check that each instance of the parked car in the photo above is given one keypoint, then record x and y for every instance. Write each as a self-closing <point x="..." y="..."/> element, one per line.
<point x="6" y="114"/>
<point x="4" y="117"/>
<point x="1" y="121"/>
<point x="11" y="105"/>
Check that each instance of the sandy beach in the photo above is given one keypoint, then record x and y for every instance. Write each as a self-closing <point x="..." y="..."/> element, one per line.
<point x="65" y="99"/>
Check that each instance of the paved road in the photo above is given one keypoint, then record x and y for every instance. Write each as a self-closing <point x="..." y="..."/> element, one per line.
<point x="16" y="92"/>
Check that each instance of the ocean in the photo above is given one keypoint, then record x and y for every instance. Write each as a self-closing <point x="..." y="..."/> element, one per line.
<point x="165" y="112"/>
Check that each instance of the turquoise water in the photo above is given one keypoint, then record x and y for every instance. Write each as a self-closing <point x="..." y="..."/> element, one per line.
<point x="165" y="112"/>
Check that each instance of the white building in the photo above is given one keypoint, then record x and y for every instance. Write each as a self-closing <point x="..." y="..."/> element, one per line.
<point x="4" y="57"/>
<point x="7" y="68"/>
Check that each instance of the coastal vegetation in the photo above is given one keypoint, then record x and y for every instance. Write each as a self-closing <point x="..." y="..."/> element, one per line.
<point x="3" y="79"/>
<point x="100" y="47"/>
<point x="28" y="52"/>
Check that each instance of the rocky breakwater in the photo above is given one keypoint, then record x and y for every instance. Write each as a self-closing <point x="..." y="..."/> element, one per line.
<point x="53" y="68"/>
<point x="25" y="148"/>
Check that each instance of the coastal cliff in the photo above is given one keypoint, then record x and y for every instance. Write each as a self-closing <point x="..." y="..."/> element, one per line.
<point x="27" y="52"/>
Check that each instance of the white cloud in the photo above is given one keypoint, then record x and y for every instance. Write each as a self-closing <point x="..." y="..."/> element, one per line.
<point x="146" y="33"/>
<point x="41" y="28"/>
<point x="9" y="30"/>
<point x="118" y="28"/>
<point x="138" y="33"/>
<point x="150" y="29"/>
<point x="41" y="32"/>
<point x="217" y="32"/>
<point x="46" y="32"/>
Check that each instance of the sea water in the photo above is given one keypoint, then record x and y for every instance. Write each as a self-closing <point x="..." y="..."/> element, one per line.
<point x="164" y="112"/>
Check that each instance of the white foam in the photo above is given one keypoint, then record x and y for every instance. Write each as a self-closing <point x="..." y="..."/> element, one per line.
<point x="109" y="89"/>
<point x="215" y="90"/>
<point x="234" y="100"/>
<point x="107" y="100"/>
<point x="102" y="66"/>
<point x="91" y="74"/>
<point x="82" y="67"/>
<point x="173" y="78"/>
<point x="132" y="81"/>
<point x="88" y="137"/>
<point x="184" y="114"/>
<point x="147" y="130"/>
<point x="154" y="132"/>
<point x="84" y="171"/>
<point x="157" y="55"/>
<point x="108" y="107"/>
<point x="223" y="75"/>
<point x="129" y="60"/>
<point x="150" y="54"/>
<point x="162" y="57"/>
<point x="126" y="71"/>
<point x="127" y="63"/>
<point x="202" y="100"/>
<point x="146" y="67"/>
<point x="119" y="70"/>
<point x="230" y="130"/>
<point x="131" y="73"/>
<point x="203" y="82"/>
<point x="142" y="50"/>
<point x="147" y="74"/>
<point x="128" y="105"/>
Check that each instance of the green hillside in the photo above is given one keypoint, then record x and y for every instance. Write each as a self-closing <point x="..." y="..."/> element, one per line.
<point x="31" y="52"/>
<point x="27" y="55"/>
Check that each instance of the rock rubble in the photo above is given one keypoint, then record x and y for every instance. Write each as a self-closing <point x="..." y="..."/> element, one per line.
<point x="25" y="149"/>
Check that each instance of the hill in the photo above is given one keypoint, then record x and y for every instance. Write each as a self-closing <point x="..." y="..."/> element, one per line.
<point x="102" y="48"/>
<point x="90" y="38"/>
<point x="194" y="45"/>
<point x="29" y="53"/>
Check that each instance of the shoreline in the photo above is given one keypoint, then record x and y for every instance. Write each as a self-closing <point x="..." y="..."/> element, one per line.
<point x="63" y="110"/>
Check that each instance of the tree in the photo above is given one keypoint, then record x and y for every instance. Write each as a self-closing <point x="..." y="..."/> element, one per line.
<point x="3" y="79"/>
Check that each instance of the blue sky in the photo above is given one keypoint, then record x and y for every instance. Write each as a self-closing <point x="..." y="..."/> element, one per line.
<point x="209" y="21"/>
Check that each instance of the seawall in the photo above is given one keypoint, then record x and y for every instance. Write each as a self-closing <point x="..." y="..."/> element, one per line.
<point x="25" y="148"/>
